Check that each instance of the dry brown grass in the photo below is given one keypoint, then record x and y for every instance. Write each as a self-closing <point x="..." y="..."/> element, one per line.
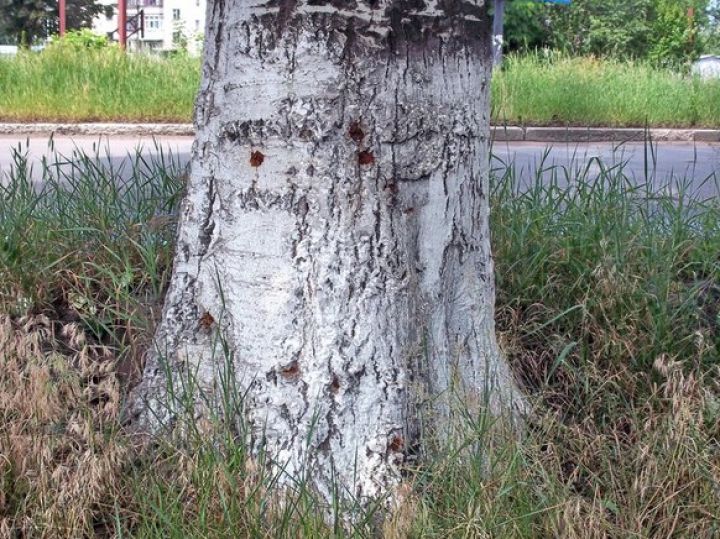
<point x="61" y="459"/>
<point x="655" y="473"/>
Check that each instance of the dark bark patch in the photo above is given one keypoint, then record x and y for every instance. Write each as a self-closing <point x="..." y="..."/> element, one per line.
<point x="404" y="21"/>
<point x="467" y="23"/>
<point x="208" y="225"/>
<point x="286" y="9"/>
<point x="256" y="159"/>
<point x="219" y="16"/>
<point x="356" y="133"/>
<point x="337" y="4"/>
<point x="335" y="384"/>
<point x="366" y="157"/>
<point x="454" y="8"/>
<point x="246" y="132"/>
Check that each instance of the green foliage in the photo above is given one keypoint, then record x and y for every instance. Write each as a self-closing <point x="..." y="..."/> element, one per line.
<point x="79" y="40"/>
<point x="525" y="28"/>
<point x="711" y="31"/>
<point x="24" y="21"/>
<point x="617" y="28"/>
<point x="28" y="21"/>
<point x="674" y="32"/>
<point x="658" y="30"/>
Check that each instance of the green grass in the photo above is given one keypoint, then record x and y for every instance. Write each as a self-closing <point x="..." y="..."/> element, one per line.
<point x="552" y="89"/>
<point x="607" y="308"/>
<point x="64" y="84"/>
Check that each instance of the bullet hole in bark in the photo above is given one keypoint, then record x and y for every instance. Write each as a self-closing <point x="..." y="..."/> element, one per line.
<point x="256" y="159"/>
<point x="356" y="133"/>
<point x="396" y="444"/>
<point x="206" y="320"/>
<point x="290" y="370"/>
<point x="366" y="157"/>
<point x="391" y="187"/>
<point x="410" y="211"/>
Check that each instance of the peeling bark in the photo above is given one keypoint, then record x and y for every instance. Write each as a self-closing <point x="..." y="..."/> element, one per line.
<point x="335" y="232"/>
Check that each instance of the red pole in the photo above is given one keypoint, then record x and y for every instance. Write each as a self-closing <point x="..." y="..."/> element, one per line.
<point x="122" y="23"/>
<point x="691" y="23"/>
<point x="63" y="17"/>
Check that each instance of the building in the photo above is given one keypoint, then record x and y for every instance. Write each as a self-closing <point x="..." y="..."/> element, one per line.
<point x="159" y="25"/>
<point x="707" y="67"/>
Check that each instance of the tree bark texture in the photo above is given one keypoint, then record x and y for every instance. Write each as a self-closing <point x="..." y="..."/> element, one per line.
<point x="335" y="232"/>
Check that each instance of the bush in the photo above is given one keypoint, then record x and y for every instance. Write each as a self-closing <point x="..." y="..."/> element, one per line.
<point x="81" y="39"/>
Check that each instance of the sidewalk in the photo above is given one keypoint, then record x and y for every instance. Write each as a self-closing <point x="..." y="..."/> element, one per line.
<point x="500" y="134"/>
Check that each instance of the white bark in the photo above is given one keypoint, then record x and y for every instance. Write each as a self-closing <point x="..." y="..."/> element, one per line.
<point x="336" y="230"/>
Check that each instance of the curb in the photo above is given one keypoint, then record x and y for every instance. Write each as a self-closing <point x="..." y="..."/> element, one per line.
<point x="546" y="135"/>
<point x="98" y="129"/>
<point x="601" y="134"/>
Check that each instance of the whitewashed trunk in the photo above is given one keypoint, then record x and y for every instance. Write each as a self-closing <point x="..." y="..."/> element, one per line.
<point x="335" y="232"/>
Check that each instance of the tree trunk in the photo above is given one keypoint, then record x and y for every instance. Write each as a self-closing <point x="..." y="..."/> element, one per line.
<point x="335" y="233"/>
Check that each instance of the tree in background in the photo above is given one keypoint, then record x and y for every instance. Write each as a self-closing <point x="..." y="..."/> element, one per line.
<point x="27" y="21"/>
<point x="526" y="27"/>
<point x="658" y="30"/>
<point x="24" y="20"/>
<point x="711" y="31"/>
<point x="676" y="31"/>
<point x="616" y="28"/>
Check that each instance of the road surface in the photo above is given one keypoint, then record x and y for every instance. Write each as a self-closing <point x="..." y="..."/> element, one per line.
<point x="698" y="164"/>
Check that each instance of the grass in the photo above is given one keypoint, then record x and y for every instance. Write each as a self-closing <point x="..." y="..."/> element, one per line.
<point x="69" y="85"/>
<point x="64" y="84"/>
<point x="552" y="89"/>
<point x="607" y="309"/>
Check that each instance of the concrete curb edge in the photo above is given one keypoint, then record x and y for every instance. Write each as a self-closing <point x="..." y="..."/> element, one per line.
<point x="545" y="135"/>
<point x="98" y="129"/>
<point x="602" y="134"/>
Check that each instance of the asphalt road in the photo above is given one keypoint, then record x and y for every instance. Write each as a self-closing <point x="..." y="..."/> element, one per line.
<point x="667" y="165"/>
<point x="696" y="165"/>
<point x="116" y="152"/>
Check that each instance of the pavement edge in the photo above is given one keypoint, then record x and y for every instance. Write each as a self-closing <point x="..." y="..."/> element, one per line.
<point x="499" y="133"/>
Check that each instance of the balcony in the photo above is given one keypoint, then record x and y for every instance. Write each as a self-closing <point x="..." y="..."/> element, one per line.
<point x="144" y="3"/>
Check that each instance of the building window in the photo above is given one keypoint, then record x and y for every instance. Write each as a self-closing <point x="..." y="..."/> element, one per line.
<point x="176" y="14"/>
<point x="153" y="22"/>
